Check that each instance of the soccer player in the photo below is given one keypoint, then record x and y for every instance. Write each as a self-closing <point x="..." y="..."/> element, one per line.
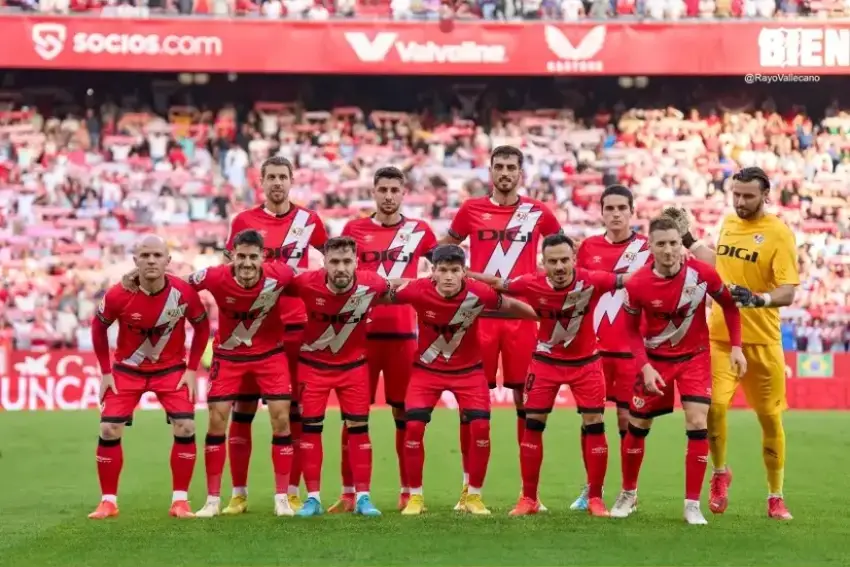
<point x="449" y="359"/>
<point x="756" y="256"/>
<point x="391" y="245"/>
<point x="333" y="358"/>
<point x="671" y="294"/>
<point x="248" y="347"/>
<point x="621" y="251"/>
<point x="288" y="231"/>
<point x="504" y="231"/>
<point x="151" y="356"/>
<point x="564" y="298"/>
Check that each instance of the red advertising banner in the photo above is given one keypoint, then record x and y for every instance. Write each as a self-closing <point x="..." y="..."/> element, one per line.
<point x="432" y="48"/>
<point x="69" y="380"/>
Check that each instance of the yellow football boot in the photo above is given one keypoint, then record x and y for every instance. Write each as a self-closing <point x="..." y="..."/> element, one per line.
<point x="475" y="505"/>
<point x="295" y="502"/>
<point x="237" y="505"/>
<point x="461" y="504"/>
<point x="415" y="506"/>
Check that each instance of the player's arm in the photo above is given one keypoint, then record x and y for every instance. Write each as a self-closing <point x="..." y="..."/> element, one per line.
<point x="632" y="309"/>
<point x="785" y="277"/>
<point x="700" y="250"/>
<point x="460" y="228"/>
<point x="197" y="316"/>
<point x="106" y="314"/>
<point x="236" y="226"/>
<point x="388" y="297"/>
<point x="607" y="281"/>
<point x="499" y="284"/>
<point x="516" y="309"/>
<point x="319" y="237"/>
<point x="721" y="294"/>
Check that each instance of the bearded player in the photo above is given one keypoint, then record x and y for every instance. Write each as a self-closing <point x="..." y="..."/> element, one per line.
<point x="564" y="298"/>
<point x="621" y="251"/>
<point x="671" y="295"/>
<point x="288" y="231"/>
<point x="449" y="359"/>
<point x="391" y="245"/>
<point x="150" y="357"/>
<point x="756" y="256"/>
<point x="504" y="231"/>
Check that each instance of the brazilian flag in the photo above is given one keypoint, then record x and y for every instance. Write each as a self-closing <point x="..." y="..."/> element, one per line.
<point x="815" y="365"/>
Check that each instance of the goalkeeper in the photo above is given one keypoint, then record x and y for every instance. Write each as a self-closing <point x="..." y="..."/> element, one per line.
<point x="756" y="256"/>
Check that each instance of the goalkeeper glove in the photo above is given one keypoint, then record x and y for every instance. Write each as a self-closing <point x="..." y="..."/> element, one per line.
<point x="683" y="223"/>
<point x="745" y="298"/>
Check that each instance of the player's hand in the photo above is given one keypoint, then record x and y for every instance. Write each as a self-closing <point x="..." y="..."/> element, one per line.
<point x="190" y="382"/>
<point x="680" y="216"/>
<point x="130" y="280"/>
<point x="652" y="380"/>
<point x="744" y="297"/>
<point x="107" y="382"/>
<point x="738" y="360"/>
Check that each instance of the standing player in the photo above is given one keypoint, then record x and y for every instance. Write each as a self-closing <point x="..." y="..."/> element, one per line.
<point x="288" y="230"/>
<point x="448" y="305"/>
<point x="504" y="231"/>
<point x="621" y="251"/>
<point x="756" y="256"/>
<point x="391" y="245"/>
<point x="248" y="346"/>
<point x="151" y="356"/>
<point x="671" y="294"/>
<point x="333" y="358"/>
<point x="566" y="353"/>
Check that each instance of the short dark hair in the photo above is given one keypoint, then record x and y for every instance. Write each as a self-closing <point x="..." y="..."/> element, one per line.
<point x="389" y="172"/>
<point x="662" y="223"/>
<point x="278" y="161"/>
<point x="557" y="240"/>
<point x="340" y="243"/>
<point x="448" y="254"/>
<point x="620" y="190"/>
<point x="507" y="151"/>
<point x="749" y="174"/>
<point x="249" y="237"/>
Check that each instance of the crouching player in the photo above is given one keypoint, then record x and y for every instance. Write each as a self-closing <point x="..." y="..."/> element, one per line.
<point x="671" y="294"/>
<point x="449" y="359"/>
<point x="333" y="358"/>
<point x="151" y="357"/>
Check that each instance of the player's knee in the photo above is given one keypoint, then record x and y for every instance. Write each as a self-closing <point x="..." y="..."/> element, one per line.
<point x="111" y="431"/>
<point x="697" y="434"/>
<point x="519" y="395"/>
<point x="771" y="424"/>
<point x="415" y="431"/>
<point x="400" y="424"/>
<point x="476" y="415"/>
<point x="535" y="424"/>
<point x="479" y="430"/>
<point x="591" y="418"/>
<point x="314" y="426"/>
<point x="521" y="414"/>
<point x="246" y="407"/>
<point x="240" y="417"/>
<point x="183" y="427"/>
<point x="594" y="428"/>
<point x="398" y="413"/>
<point x="357" y="427"/>
<point x="418" y="415"/>
<point x="640" y="427"/>
<point x="541" y="417"/>
<point x="696" y="417"/>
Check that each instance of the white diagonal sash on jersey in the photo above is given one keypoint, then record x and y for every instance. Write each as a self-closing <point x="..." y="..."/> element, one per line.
<point x="578" y="300"/>
<point x="172" y="313"/>
<point x="692" y="295"/>
<point x="465" y="315"/>
<point x="264" y="303"/>
<point x="299" y="234"/>
<point x="408" y="241"/>
<point x="357" y="305"/>
<point x="502" y="262"/>
<point x="610" y="303"/>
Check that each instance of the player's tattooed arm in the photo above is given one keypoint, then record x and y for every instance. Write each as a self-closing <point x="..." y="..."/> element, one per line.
<point x="497" y="283"/>
<point x="517" y="309"/>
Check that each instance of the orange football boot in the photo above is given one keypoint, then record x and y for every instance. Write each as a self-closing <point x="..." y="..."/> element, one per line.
<point x="345" y="505"/>
<point x="596" y="507"/>
<point x="105" y="509"/>
<point x="181" y="509"/>
<point x="776" y="509"/>
<point x="403" y="499"/>
<point x="718" y="498"/>
<point x="525" y="507"/>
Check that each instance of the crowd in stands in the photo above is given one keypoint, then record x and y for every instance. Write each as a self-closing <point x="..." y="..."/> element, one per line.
<point x="564" y="10"/>
<point x="76" y="190"/>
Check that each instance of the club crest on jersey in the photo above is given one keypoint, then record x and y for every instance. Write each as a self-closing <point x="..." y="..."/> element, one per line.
<point x="689" y="290"/>
<point x="297" y="231"/>
<point x="197" y="277"/>
<point x="521" y="217"/>
<point x="759" y="238"/>
<point x="629" y="257"/>
<point x="467" y="315"/>
<point x="638" y="402"/>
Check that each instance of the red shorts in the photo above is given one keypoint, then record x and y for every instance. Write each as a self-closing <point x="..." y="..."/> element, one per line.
<point x="426" y="388"/>
<point x="119" y="408"/>
<point x="515" y="340"/>
<point x="249" y="380"/>
<point x="545" y="378"/>
<point x="351" y="386"/>
<point x="394" y="360"/>
<point x="620" y="372"/>
<point x="692" y="378"/>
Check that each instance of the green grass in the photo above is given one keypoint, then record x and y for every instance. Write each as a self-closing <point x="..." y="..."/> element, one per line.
<point x="48" y="476"/>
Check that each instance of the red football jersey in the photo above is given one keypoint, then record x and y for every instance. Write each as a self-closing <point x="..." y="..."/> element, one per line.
<point x="393" y="251"/>
<point x="336" y="323"/>
<point x="503" y="240"/>
<point x="448" y="327"/>
<point x="626" y="257"/>
<point x="674" y="308"/>
<point x="152" y="328"/>
<point x="287" y="238"/>
<point x="250" y="325"/>
<point x="566" y="329"/>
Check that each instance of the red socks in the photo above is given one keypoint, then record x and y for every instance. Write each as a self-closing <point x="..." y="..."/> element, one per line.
<point x="184" y="453"/>
<point x="633" y="449"/>
<point x="282" y="454"/>
<point x="360" y="455"/>
<point x="214" y="457"/>
<point x="479" y="451"/>
<point x="520" y="427"/>
<point x="345" y="461"/>
<point x="295" y="427"/>
<point x="312" y="454"/>
<point x="399" y="451"/>
<point x="414" y="452"/>
<point x="110" y="460"/>
<point x="696" y="461"/>
<point x="239" y="447"/>
<point x="595" y="454"/>
<point x="464" y="445"/>
<point x="531" y="458"/>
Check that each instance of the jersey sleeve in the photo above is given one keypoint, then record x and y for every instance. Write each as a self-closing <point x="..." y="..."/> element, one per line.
<point x="110" y="305"/>
<point x="195" y="311"/>
<point x="548" y="222"/>
<point x="519" y="286"/>
<point x="714" y="285"/>
<point x="320" y="234"/>
<point x="377" y="283"/>
<point x="631" y="299"/>
<point x="490" y="298"/>
<point x="462" y="223"/>
<point x="581" y="254"/>
<point x="429" y="241"/>
<point x="199" y="280"/>
<point x="296" y="285"/>
<point x="785" y="259"/>
<point x="346" y="230"/>
<point x="602" y="281"/>
<point x="237" y="225"/>
<point x="408" y="293"/>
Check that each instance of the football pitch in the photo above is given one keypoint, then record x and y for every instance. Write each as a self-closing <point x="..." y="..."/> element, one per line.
<point x="47" y="472"/>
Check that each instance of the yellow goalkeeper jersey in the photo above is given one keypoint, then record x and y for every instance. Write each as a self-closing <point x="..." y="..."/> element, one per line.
<point x="760" y="255"/>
